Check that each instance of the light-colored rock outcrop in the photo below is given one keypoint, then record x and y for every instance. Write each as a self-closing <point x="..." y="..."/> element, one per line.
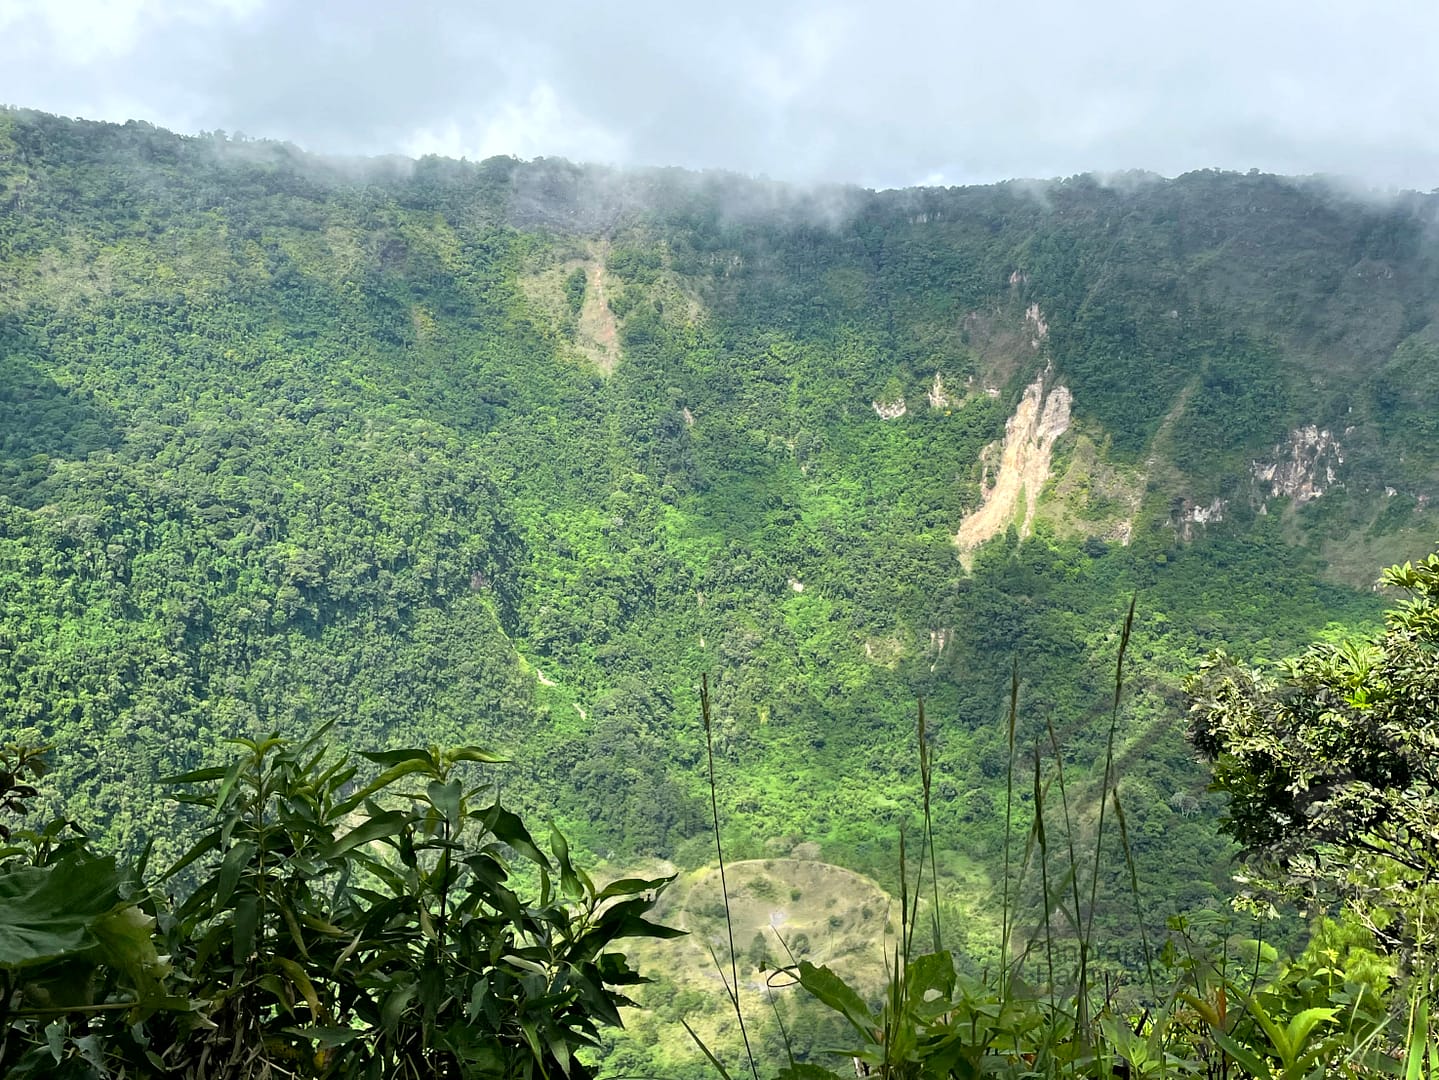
<point x="939" y="397"/>
<point x="1038" y="324"/>
<point x="1022" y="466"/>
<point x="890" y="410"/>
<point x="1303" y="467"/>
<point x="1189" y="515"/>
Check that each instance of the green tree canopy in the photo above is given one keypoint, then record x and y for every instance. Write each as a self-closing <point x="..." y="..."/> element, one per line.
<point x="1332" y="764"/>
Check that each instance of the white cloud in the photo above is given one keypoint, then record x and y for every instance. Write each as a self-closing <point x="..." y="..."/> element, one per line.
<point x="78" y="32"/>
<point x="800" y="60"/>
<point x="795" y="89"/>
<point x="540" y="125"/>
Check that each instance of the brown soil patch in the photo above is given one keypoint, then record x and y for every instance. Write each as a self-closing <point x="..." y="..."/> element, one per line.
<point x="1023" y="466"/>
<point x="598" y="332"/>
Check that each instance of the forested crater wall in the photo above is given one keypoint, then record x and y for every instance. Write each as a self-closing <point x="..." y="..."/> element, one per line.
<point x="286" y="441"/>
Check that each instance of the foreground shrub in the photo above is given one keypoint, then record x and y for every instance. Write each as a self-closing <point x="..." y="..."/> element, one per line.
<point x="332" y="930"/>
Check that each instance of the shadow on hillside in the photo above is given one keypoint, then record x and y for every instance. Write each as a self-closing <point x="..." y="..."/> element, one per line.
<point x="40" y="420"/>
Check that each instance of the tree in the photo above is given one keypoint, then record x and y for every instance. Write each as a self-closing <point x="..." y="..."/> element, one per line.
<point x="1332" y="766"/>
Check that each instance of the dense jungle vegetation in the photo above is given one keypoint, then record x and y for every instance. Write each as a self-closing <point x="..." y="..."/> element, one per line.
<point x="509" y="454"/>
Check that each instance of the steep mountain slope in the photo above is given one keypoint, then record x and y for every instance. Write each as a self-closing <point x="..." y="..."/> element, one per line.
<point x="514" y="452"/>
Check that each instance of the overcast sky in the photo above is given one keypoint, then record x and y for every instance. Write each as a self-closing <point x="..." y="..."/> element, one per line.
<point x="883" y="95"/>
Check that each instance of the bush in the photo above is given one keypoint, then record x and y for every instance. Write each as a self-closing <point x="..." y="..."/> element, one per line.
<point x="336" y="929"/>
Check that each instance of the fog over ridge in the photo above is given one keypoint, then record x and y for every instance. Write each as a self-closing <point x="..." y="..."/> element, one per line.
<point x="799" y="91"/>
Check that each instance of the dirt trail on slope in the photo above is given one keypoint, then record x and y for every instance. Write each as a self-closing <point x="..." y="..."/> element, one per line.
<point x="1023" y="470"/>
<point x="598" y="331"/>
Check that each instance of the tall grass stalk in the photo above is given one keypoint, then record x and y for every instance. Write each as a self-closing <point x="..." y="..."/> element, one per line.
<point x="1073" y="874"/>
<point x="1000" y="1026"/>
<point x="1421" y="1049"/>
<point x="925" y="776"/>
<point x="1134" y="892"/>
<point x="1005" y="912"/>
<point x="732" y="985"/>
<point x="1088" y="936"/>
<point x="899" y="984"/>
<point x="1044" y="880"/>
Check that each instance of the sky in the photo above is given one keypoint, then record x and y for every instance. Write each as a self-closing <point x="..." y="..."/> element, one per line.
<point x="883" y="95"/>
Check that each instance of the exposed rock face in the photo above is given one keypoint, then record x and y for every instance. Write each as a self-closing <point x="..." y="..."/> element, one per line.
<point x="938" y="640"/>
<point x="1023" y="465"/>
<point x="890" y="410"/>
<point x="1203" y="515"/>
<point x="1187" y="515"/>
<point x="939" y="397"/>
<point x="1304" y="465"/>
<point x="1036" y="319"/>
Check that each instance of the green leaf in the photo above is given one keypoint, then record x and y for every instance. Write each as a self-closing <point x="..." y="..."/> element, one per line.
<point x="474" y="753"/>
<point x="532" y="1036"/>
<point x="395" y="1006"/>
<point x="51" y="911"/>
<point x="1414" y="1054"/>
<point x="633" y="886"/>
<point x="236" y="859"/>
<point x="932" y="971"/>
<point x="1301" y="1024"/>
<point x="126" y="941"/>
<point x="445" y="798"/>
<point x="620" y="924"/>
<point x="315" y="738"/>
<point x="371" y="829"/>
<point x="232" y="777"/>
<point x="719" y="1065"/>
<point x="527" y="965"/>
<point x="292" y="924"/>
<point x="396" y="757"/>
<point x="839" y="996"/>
<point x="1251" y="1061"/>
<point x="384" y="780"/>
<point x="569" y="880"/>
<point x="1278" y="1038"/>
<point x="559" y="1049"/>
<point x="1206" y="1010"/>
<point x="301" y="982"/>
<point x="596" y="1000"/>
<point x="508" y="828"/>
<point x="247" y="921"/>
<point x="196" y="776"/>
